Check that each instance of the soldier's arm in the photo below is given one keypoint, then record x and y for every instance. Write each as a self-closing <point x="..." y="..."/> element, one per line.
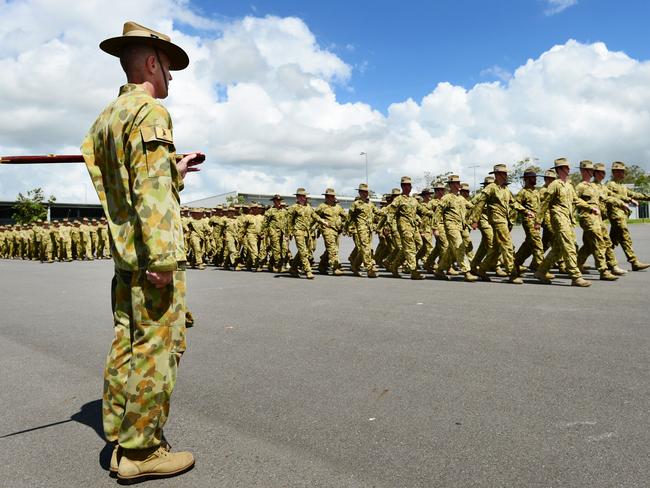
<point x="544" y="203"/>
<point x="154" y="190"/>
<point x="481" y="200"/>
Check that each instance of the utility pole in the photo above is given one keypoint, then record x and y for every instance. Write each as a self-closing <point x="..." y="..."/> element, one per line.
<point x="366" y="155"/>
<point x="474" y="168"/>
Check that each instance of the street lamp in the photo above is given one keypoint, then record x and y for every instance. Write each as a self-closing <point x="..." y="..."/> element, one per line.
<point x="474" y="168"/>
<point x="366" y="155"/>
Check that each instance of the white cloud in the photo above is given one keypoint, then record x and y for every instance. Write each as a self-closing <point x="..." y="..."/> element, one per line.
<point x="497" y="72"/>
<point x="557" y="6"/>
<point x="259" y="99"/>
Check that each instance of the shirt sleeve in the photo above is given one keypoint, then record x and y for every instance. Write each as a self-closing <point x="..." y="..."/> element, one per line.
<point x="154" y="193"/>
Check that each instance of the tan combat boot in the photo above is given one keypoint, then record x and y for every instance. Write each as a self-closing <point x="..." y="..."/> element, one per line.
<point x="500" y="272"/>
<point x="338" y="272"/>
<point x="415" y="275"/>
<point x="115" y="460"/>
<point x="616" y="270"/>
<point x="639" y="266"/>
<point x="607" y="276"/>
<point x="310" y="275"/>
<point x="516" y="280"/>
<point x="542" y="276"/>
<point x="452" y="272"/>
<point x="581" y="282"/>
<point x="470" y="278"/>
<point x="157" y="462"/>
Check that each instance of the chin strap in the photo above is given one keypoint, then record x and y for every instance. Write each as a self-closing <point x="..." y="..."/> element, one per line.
<point x="163" y="71"/>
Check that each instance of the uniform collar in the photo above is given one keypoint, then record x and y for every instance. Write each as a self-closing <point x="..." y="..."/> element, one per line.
<point x="132" y="88"/>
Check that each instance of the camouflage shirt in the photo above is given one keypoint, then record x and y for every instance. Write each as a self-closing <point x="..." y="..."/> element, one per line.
<point x="130" y="155"/>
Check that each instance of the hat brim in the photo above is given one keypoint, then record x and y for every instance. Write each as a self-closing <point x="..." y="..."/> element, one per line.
<point x="526" y="175"/>
<point x="498" y="171"/>
<point x="178" y="58"/>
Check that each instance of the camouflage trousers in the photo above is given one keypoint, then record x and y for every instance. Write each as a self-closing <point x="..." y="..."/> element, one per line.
<point x="304" y="254"/>
<point x="363" y="242"/>
<point x="501" y="248"/>
<point x="532" y="245"/>
<point x="586" y="249"/>
<point x="455" y="251"/>
<point x="487" y="241"/>
<point x="331" y="255"/>
<point x="620" y="236"/>
<point x="563" y="247"/>
<point x="592" y="242"/>
<point x="141" y="366"/>
<point x="408" y="251"/>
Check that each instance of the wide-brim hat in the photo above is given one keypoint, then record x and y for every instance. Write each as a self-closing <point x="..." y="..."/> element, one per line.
<point x="133" y="33"/>
<point x="488" y="180"/>
<point x="426" y="191"/>
<point x="561" y="163"/>
<point x="439" y="185"/>
<point x="330" y="191"/>
<point x="276" y="197"/>
<point x="363" y="187"/>
<point x="499" y="168"/>
<point x="395" y="192"/>
<point x="600" y="167"/>
<point x="550" y="173"/>
<point x="453" y="179"/>
<point x="586" y="164"/>
<point x="618" y="165"/>
<point x="530" y="171"/>
<point x="405" y="180"/>
<point x="464" y="186"/>
<point x="301" y="191"/>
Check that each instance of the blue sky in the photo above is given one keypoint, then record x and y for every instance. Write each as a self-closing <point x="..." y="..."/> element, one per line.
<point x="404" y="51"/>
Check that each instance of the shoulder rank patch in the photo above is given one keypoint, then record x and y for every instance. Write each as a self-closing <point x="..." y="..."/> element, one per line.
<point x="156" y="133"/>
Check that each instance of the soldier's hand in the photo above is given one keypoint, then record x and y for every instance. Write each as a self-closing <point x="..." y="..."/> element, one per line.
<point x="436" y="233"/>
<point x="530" y="214"/>
<point x="160" y="279"/>
<point x="190" y="163"/>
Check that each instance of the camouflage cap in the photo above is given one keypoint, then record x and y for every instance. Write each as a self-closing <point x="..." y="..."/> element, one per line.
<point x="426" y="191"/>
<point x="453" y="179"/>
<point x="133" y="33"/>
<point x="550" y="173"/>
<point x="464" y="187"/>
<point x="396" y="192"/>
<point x="301" y="191"/>
<point x="363" y="187"/>
<point x="499" y="168"/>
<point x="405" y="180"/>
<point x="599" y="167"/>
<point x="330" y="191"/>
<point x="560" y="163"/>
<point x="277" y="197"/>
<point x="586" y="164"/>
<point x="618" y="165"/>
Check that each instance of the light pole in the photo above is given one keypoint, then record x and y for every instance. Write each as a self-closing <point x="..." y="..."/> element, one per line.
<point x="366" y="155"/>
<point x="474" y="168"/>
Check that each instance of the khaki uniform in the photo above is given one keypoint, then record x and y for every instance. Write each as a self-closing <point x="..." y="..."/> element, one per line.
<point x="451" y="212"/>
<point x="334" y="216"/>
<point x="362" y="218"/>
<point x="619" y="232"/>
<point x="528" y="198"/>
<point x="130" y="156"/>
<point x="300" y="220"/>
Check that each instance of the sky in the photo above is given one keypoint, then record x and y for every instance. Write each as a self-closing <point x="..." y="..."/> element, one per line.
<point x="284" y="94"/>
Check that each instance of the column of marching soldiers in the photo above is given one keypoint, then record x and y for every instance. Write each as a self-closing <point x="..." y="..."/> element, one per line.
<point x="61" y="240"/>
<point x="430" y="231"/>
<point x="425" y="232"/>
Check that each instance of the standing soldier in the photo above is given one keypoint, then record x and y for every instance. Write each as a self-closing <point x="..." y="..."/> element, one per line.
<point x="591" y="221"/>
<point x="85" y="239"/>
<point x="231" y="256"/>
<point x="499" y="202"/>
<point x="334" y="215"/>
<point x="94" y="238"/>
<point x="619" y="233"/>
<point x="75" y="240"/>
<point x="102" y="239"/>
<point x="426" y="211"/>
<point x="487" y="234"/>
<point x="131" y="158"/>
<point x="195" y="225"/>
<point x="528" y="198"/>
<point x="451" y="211"/>
<point x="300" y="220"/>
<point x="361" y="220"/>
<point x="560" y="200"/>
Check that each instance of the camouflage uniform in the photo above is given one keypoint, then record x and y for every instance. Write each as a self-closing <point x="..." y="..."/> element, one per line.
<point x="334" y="215"/>
<point x="130" y="156"/>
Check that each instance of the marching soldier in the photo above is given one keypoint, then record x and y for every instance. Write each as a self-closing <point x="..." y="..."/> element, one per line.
<point x="528" y="198"/>
<point x="300" y="220"/>
<point x="332" y="213"/>
<point x="560" y="200"/>
<point x="619" y="232"/>
<point x="362" y="216"/>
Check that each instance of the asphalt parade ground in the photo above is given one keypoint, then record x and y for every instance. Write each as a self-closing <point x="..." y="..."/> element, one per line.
<point x="343" y="381"/>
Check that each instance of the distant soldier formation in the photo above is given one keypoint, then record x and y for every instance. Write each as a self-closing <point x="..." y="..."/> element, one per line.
<point x="429" y="232"/>
<point x="59" y="240"/>
<point x="417" y="234"/>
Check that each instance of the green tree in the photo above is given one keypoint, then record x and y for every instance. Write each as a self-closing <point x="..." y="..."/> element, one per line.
<point x="429" y="178"/>
<point x="235" y="199"/>
<point x="637" y="176"/>
<point x="518" y="168"/>
<point x="31" y="207"/>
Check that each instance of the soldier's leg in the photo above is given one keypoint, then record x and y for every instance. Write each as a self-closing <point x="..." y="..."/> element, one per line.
<point x="620" y="235"/>
<point x="156" y="331"/>
<point x="302" y="256"/>
<point x="365" y="251"/>
<point x="197" y="251"/>
<point x="610" y="257"/>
